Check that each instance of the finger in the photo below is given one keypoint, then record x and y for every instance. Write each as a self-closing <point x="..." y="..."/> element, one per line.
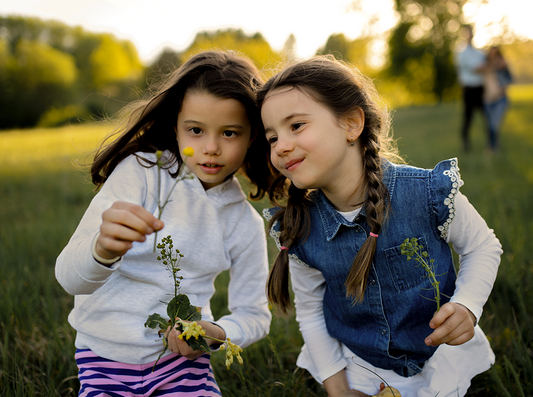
<point x="451" y="329"/>
<point x="109" y="248"/>
<point x="144" y="221"/>
<point x="462" y="338"/>
<point x="440" y="317"/>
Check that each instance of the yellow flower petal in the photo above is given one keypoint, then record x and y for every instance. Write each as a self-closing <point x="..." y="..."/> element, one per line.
<point x="188" y="151"/>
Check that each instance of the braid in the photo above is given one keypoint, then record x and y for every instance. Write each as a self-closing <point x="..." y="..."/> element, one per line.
<point x="295" y="225"/>
<point x="341" y="89"/>
<point x="377" y="195"/>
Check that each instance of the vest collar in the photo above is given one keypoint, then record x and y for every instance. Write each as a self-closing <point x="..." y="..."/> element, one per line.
<point x="330" y="217"/>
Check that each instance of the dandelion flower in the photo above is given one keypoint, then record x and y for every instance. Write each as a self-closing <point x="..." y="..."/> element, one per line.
<point x="188" y="151"/>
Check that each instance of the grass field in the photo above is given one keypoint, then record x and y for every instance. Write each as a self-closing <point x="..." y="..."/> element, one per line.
<point x="44" y="192"/>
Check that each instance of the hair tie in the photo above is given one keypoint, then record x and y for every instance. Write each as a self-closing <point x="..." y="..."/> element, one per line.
<point x="283" y="248"/>
<point x="373" y="235"/>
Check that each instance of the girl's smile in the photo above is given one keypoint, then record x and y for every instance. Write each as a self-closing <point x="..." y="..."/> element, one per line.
<point x="218" y="130"/>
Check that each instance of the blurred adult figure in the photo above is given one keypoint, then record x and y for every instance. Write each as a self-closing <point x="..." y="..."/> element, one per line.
<point x="470" y="64"/>
<point x="496" y="79"/>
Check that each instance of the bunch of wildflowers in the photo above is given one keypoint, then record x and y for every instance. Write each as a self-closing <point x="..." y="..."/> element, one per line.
<point x="412" y="249"/>
<point x="184" y="316"/>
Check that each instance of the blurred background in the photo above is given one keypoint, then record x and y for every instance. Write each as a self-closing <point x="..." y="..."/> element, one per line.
<point x="66" y="62"/>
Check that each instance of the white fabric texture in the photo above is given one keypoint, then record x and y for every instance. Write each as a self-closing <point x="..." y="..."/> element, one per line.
<point x="451" y="368"/>
<point x="215" y="230"/>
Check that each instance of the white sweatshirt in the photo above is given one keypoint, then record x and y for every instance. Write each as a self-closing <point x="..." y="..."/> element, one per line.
<point x="215" y="230"/>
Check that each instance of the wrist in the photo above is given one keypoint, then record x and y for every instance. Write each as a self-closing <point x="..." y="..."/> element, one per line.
<point x="100" y="259"/>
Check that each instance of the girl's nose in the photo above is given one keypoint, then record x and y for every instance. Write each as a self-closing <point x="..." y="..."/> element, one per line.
<point x="212" y="146"/>
<point x="283" y="146"/>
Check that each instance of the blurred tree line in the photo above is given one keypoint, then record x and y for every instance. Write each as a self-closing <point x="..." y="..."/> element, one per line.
<point x="53" y="74"/>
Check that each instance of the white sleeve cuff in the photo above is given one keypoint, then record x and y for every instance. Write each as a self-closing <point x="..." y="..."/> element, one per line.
<point x="98" y="258"/>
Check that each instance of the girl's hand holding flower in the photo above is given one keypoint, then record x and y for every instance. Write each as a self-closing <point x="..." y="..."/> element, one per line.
<point x="177" y="339"/>
<point x="122" y="224"/>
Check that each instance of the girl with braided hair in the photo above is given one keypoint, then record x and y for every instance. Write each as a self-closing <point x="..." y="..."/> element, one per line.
<point x="343" y="211"/>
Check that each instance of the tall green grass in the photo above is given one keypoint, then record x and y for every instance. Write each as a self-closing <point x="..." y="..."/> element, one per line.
<point x="44" y="193"/>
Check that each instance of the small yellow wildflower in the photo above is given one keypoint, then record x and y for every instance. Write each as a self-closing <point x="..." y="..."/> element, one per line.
<point x="192" y="329"/>
<point x="188" y="151"/>
<point x="231" y="350"/>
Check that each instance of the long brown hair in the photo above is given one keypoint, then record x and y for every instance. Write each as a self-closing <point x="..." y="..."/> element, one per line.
<point x="341" y="89"/>
<point x="149" y="124"/>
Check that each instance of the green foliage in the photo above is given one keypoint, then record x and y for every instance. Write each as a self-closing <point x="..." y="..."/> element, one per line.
<point x="353" y="51"/>
<point x="255" y="46"/>
<point x="425" y="36"/>
<point x="56" y="117"/>
<point x="35" y="63"/>
<point x="413" y="250"/>
<point x="46" y="64"/>
<point x="114" y="61"/>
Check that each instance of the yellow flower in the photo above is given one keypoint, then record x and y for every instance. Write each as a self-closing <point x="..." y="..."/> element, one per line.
<point x="192" y="329"/>
<point x="232" y="350"/>
<point x="188" y="151"/>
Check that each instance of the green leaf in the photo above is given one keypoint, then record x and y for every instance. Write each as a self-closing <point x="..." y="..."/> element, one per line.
<point x="193" y="314"/>
<point x="179" y="307"/>
<point x="156" y="320"/>
<point x="198" y="344"/>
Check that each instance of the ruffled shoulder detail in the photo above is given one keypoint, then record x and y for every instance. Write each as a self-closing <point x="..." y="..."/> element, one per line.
<point x="275" y="234"/>
<point x="448" y="181"/>
<point x="274" y="230"/>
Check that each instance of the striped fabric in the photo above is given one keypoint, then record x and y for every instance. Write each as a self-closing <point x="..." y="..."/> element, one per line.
<point x="173" y="376"/>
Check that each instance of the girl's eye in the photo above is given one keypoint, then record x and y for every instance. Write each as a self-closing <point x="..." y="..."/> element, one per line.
<point x="229" y="134"/>
<point x="296" y="126"/>
<point x="195" y="130"/>
<point x="272" y="140"/>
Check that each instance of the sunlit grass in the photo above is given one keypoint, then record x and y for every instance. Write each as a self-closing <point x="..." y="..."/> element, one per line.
<point x="26" y="151"/>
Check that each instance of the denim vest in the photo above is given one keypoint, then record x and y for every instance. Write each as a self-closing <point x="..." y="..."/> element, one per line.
<point x="389" y="326"/>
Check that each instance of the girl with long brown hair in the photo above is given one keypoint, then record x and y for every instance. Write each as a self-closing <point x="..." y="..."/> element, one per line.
<point x="344" y="210"/>
<point x="208" y="105"/>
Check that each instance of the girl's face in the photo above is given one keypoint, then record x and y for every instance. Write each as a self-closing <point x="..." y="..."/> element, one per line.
<point x="310" y="146"/>
<point x="218" y="130"/>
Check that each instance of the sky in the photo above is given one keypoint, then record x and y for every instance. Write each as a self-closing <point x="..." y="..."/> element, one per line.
<point x="152" y="25"/>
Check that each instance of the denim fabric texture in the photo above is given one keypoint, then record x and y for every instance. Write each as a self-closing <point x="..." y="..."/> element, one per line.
<point x="389" y="326"/>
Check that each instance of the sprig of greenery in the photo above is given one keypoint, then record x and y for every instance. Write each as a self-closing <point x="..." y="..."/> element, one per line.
<point x="182" y="315"/>
<point x="161" y="162"/>
<point x="413" y="250"/>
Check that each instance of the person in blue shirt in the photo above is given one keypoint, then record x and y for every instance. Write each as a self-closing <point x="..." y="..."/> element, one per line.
<point x="344" y="207"/>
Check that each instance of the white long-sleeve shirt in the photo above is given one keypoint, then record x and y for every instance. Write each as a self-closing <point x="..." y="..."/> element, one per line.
<point x="323" y="356"/>
<point x="215" y="230"/>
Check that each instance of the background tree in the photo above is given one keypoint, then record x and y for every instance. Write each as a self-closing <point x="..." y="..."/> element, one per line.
<point x="49" y="66"/>
<point x="353" y="51"/>
<point x="421" y="47"/>
<point x="254" y="46"/>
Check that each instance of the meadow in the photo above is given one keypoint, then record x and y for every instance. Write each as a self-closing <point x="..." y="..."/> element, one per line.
<point x="44" y="191"/>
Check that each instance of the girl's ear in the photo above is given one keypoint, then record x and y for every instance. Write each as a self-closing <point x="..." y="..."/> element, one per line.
<point x="355" y="122"/>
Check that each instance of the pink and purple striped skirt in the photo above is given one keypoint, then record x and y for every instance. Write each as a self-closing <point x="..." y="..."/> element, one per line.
<point x="173" y="375"/>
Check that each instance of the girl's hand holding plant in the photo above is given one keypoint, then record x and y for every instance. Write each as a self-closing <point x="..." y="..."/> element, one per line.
<point x="453" y="325"/>
<point x="122" y="224"/>
<point x="178" y="345"/>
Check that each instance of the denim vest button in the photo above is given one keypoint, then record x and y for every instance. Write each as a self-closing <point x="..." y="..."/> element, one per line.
<point x="383" y="331"/>
<point x="372" y="282"/>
